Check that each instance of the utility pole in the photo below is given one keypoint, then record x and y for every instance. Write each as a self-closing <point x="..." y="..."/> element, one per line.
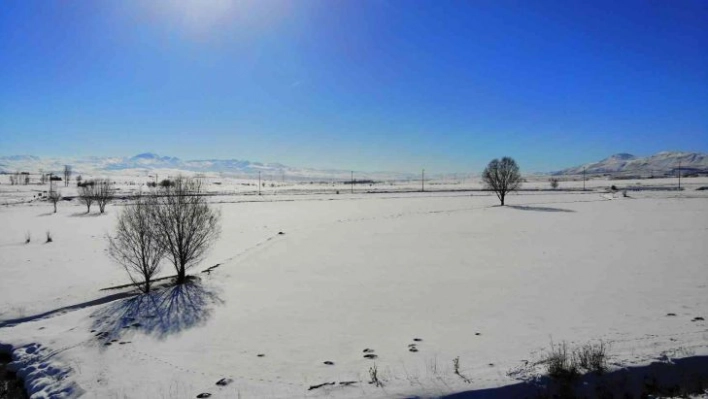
<point x="583" y="179"/>
<point x="352" y="182"/>
<point x="259" y="182"/>
<point x="422" y="181"/>
<point x="679" y="175"/>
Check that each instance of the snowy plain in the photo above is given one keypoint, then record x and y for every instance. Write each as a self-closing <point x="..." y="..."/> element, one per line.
<point x="491" y="285"/>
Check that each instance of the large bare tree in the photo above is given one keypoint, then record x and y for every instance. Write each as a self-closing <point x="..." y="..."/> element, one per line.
<point x="502" y="177"/>
<point x="185" y="224"/>
<point x="135" y="246"/>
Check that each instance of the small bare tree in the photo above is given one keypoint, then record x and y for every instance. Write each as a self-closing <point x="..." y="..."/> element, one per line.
<point x="502" y="177"/>
<point x="554" y="182"/>
<point x="54" y="197"/>
<point x="86" y="194"/>
<point x="67" y="175"/>
<point x="135" y="246"/>
<point x="185" y="224"/>
<point x="102" y="193"/>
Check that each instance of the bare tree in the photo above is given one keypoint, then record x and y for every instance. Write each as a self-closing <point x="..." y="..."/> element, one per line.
<point x="67" y="175"/>
<point x="554" y="182"/>
<point x="54" y="197"/>
<point x="86" y="196"/>
<point x="185" y="224"/>
<point x="502" y="177"/>
<point x="78" y="180"/>
<point x="135" y="246"/>
<point x="102" y="193"/>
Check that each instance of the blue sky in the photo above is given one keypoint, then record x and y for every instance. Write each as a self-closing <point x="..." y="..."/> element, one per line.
<point x="369" y="85"/>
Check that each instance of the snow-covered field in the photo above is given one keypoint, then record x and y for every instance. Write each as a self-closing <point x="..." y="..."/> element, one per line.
<point x="490" y="285"/>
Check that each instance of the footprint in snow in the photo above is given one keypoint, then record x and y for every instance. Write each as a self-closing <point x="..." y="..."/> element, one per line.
<point x="329" y="363"/>
<point x="370" y="356"/>
<point x="204" y="395"/>
<point x="417" y="339"/>
<point x="368" y="350"/>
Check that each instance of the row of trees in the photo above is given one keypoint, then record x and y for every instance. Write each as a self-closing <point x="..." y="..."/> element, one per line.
<point x="97" y="191"/>
<point x="18" y="178"/>
<point x="174" y="222"/>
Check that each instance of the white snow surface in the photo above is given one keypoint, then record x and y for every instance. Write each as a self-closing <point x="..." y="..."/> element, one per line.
<point x="353" y="272"/>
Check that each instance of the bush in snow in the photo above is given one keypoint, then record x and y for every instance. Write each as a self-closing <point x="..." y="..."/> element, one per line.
<point x="561" y="363"/>
<point x="554" y="182"/>
<point x="592" y="357"/>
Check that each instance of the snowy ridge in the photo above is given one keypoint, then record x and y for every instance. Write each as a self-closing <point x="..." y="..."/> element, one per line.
<point x="145" y="163"/>
<point x="665" y="162"/>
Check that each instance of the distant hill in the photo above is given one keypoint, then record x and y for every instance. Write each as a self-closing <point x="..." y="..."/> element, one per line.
<point x="150" y="162"/>
<point x="661" y="164"/>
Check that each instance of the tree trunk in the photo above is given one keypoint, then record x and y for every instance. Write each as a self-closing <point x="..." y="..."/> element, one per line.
<point x="502" y="200"/>
<point x="181" y="276"/>
<point x="55" y="207"/>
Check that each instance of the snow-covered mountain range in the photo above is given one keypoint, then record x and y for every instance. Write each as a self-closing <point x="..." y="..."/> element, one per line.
<point x="663" y="163"/>
<point x="148" y="162"/>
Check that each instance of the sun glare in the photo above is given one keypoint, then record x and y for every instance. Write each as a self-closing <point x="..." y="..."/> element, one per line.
<point x="203" y="17"/>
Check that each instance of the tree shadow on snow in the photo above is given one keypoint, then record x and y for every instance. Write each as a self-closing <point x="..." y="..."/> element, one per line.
<point x="538" y="208"/>
<point x="85" y="214"/>
<point x="678" y="377"/>
<point x="159" y="313"/>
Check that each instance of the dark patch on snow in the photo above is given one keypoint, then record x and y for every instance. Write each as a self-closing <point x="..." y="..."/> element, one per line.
<point x="678" y="378"/>
<point x="329" y="363"/>
<point x="204" y="395"/>
<point x="320" y="385"/>
<point x="370" y="356"/>
<point x="224" y="382"/>
<point x="11" y="386"/>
